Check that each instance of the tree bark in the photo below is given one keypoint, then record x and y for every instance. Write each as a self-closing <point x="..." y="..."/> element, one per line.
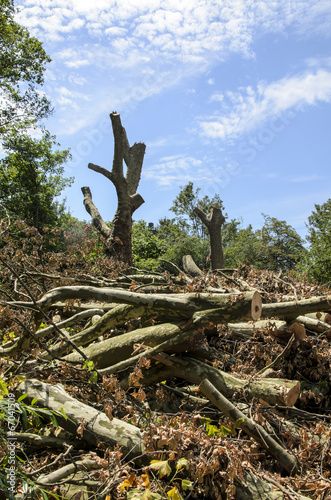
<point x="190" y="266"/>
<point x="293" y="309"/>
<point x="118" y="236"/>
<point x="227" y="307"/>
<point x="272" y="390"/>
<point x="214" y="221"/>
<point x="96" y="425"/>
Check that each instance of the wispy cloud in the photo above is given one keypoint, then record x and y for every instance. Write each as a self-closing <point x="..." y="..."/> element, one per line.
<point x="111" y="43"/>
<point x="172" y="171"/>
<point x="247" y="109"/>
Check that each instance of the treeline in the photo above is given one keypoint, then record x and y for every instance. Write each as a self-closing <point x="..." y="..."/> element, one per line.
<point x="32" y="177"/>
<point x="275" y="246"/>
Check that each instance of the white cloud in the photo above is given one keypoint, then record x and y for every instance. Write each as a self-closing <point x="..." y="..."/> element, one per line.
<point x="182" y="29"/>
<point x="111" y="46"/>
<point x="172" y="171"/>
<point x="243" y="111"/>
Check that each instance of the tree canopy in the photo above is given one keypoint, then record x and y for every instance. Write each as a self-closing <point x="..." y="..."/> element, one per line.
<point x="319" y="238"/>
<point x="31" y="177"/>
<point x="22" y="66"/>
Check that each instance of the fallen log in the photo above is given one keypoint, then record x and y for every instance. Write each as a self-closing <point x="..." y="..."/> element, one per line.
<point x="274" y="391"/>
<point x="314" y="324"/>
<point x="118" y="315"/>
<point x="250" y="427"/>
<point x="111" y="351"/>
<point x="280" y="330"/>
<point x="246" y="305"/>
<point x="293" y="309"/>
<point x="95" y="427"/>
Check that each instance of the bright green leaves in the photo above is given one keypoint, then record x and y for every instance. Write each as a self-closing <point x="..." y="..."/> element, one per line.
<point x="89" y="365"/>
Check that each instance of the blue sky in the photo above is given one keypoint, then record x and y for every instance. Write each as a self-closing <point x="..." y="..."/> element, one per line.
<point x="233" y="95"/>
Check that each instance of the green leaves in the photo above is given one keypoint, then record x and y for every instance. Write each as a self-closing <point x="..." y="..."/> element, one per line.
<point x="31" y="177"/>
<point x="318" y="261"/>
<point x="22" y="66"/>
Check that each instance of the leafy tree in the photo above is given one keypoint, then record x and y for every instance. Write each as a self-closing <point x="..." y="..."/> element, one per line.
<point x="169" y="241"/>
<point x="22" y="65"/>
<point x="242" y="246"/>
<point x="281" y="247"/>
<point x="319" y="238"/>
<point x="179" y="243"/>
<point x="276" y="246"/>
<point x="183" y="207"/>
<point x="31" y="178"/>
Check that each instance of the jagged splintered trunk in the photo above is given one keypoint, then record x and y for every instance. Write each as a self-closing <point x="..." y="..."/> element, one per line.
<point x="214" y="221"/>
<point x="118" y="237"/>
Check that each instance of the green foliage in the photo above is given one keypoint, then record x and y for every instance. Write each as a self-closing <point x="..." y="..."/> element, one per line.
<point x="276" y="246"/>
<point x="318" y="260"/>
<point x="281" y="248"/>
<point x="241" y="247"/>
<point x="31" y="178"/>
<point x="22" y="66"/>
<point x="169" y="241"/>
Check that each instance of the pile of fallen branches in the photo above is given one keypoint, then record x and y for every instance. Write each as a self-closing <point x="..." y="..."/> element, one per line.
<point x="223" y="380"/>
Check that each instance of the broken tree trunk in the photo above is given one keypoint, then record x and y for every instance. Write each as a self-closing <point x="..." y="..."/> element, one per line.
<point x="96" y="426"/>
<point x="190" y="266"/>
<point x="214" y="221"/>
<point x="118" y="236"/>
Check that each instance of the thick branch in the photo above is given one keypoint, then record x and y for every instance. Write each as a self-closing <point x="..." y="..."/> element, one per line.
<point x="293" y="309"/>
<point x="96" y="425"/>
<point x="101" y="170"/>
<point x="133" y="157"/>
<point x="227" y="307"/>
<point x="97" y="220"/>
<point x="119" y="134"/>
<point x="274" y="391"/>
<point x="251" y="428"/>
<point x="136" y="201"/>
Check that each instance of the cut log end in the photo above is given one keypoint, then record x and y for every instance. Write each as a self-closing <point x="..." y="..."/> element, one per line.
<point x="256" y="306"/>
